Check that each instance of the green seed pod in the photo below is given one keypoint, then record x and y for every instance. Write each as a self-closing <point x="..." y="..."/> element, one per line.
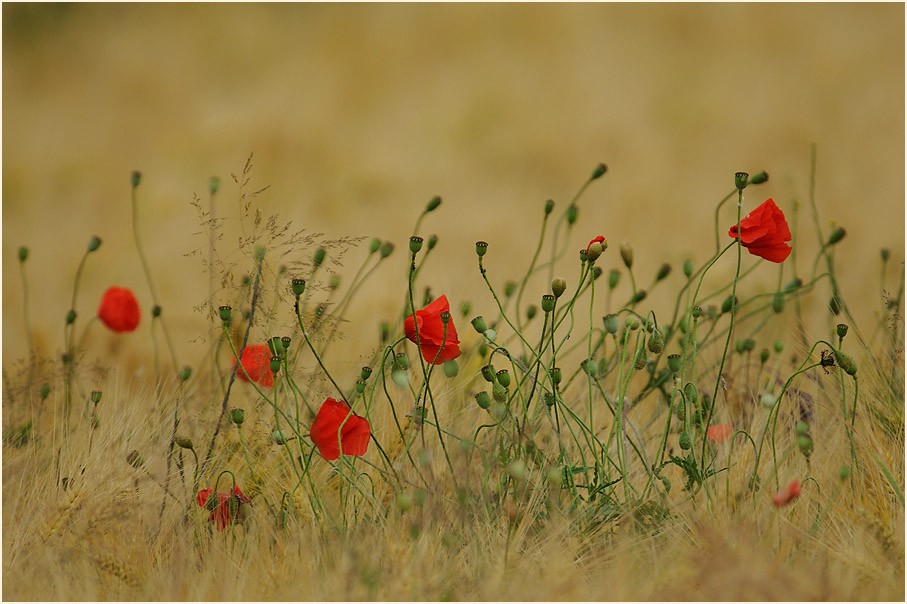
<point x="802" y="428"/>
<point x="360" y="386"/>
<point x="688" y="268"/>
<point x="582" y="256"/>
<point x="238" y="416"/>
<point x="432" y="204"/>
<point x="365" y="373"/>
<point x="499" y="392"/>
<point x="588" y="367"/>
<point x="94" y="243"/>
<point x="225" y="313"/>
<point x="432" y="242"/>
<point x="549" y="399"/>
<point x="613" y="278"/>
<point x="387" y="248"/>
<point x="763" y="355"/>
<point x="183" y="441"/>
<point x="556" y="375"/>
<point x="758" y="178"/>
<point x="805" y="444"/>
<point x="740" y="180"/>
<point x="846" y="362"/>
<point x="572" y="214"/>
<point x="549" y="206"/>
<point x="836" y="236"/>
<point x="320" y="253"/>
<point x="728" y="303"/>
<point x="509" y="288"/>
<point x="136" y="178"/>
<point x="558" y="287"/>
<point x="451" y="369"/>
<point x="663" y="271"/>
<point x="768" y="400"/>
<point x="275" y="364"/>
<point x="639" y="296"/>
<point x="656" y="342"/>
<point x="779" y="346"/>
<point x="479" y="324"/>
<point x="298" y="287"/>
<point x="531" y="311"/>
<point x="599" y="171"/>
<point x="415" y="244"/>
<point x="401" y="361"/>
<point x="276" y="346"/>
<point x="611" y="323"/>
<point x="778" y="302"/>
<point x="640" y="361"/>
<point x="404" y="502"/>
<point x="71" y="317"/>
<point x="488" y="373"/>
<point x="481" y="248"/>
<point x="841" y="330"/>
<point x="517" y="469"/>
<point x="739" y="346"/>
<point x="503" y="378"/>
<point x="685" y="441"/>
<point x="399" y="377"/>
<point x="674" y="363"/>
<point x="696" y="311"/>
<point x="483" y="400"/>
<point x="548" y="301"/>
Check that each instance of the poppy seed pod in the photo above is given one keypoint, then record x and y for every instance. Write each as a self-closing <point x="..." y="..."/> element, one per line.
<point x="730" y="302"/>
<point x="432" y="204"/>
<point x="556" y="375"/>
<point x="276" y="346"/>
<point x="488" y="373"/>
<point x="549" y="206"/>
<point x="503" y="378"/>
<point x="479" y="324"/>
<point x="225" y="312"/>
<point x="548" y="303"/>
<point x="415" y="244"/>
<point x="365" y="373"/>
<point x="360" y="386"/>
<point x="135" y="178"/>
<point x="558" y="287"/>
<point x="387" y="249"/>
<point x="885" y="253"/>
<point x="740" y="180"/>
<point x="531" y="311"/>
<point x="509" y="288"/>
<point x="483" y="400"/>
<point x="626" y="254"/>
<point x="674" y="363"/>
<point x="71" y="317"/>
<point x="481" y="248"/>
<point x="238" y="416"/>
<point x="275" y="365"/>
<point x="286" y="343"/>
<point x="841" y="330"/>
<point x="696" y="311"/>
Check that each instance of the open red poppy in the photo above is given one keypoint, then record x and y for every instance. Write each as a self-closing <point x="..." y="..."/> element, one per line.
<point x="354" y="433"/>
<point x="719" y="433"/>
<point x="256" y="360"/>
<point x="787" y="494"/>
<point x="432" y="342"/>
<point x="119" y="310"/>
<point x="226" y="508"/>
<point x="764" y="232"/>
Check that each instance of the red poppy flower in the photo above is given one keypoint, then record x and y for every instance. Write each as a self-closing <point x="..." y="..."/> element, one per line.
<point x="119" y="310"/>
<point x="431" y="332"/>
<point x="600" y="239"/>
<point x="354" y="435"/>
<point x="256" y="360"/>
<point x="787" y="494"/>
<point x="719" y="433"/>
<point x="765" y="233"/>
<point x="227" y="507"/>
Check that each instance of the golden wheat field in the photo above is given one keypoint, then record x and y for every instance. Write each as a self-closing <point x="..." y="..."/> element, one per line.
<point x="215" y="149"/>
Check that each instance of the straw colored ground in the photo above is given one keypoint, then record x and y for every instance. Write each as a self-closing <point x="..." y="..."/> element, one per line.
<point x="357" y="115"/>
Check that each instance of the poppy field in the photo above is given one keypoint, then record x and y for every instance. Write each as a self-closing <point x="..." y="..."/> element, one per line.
<point x="657" y="384"/>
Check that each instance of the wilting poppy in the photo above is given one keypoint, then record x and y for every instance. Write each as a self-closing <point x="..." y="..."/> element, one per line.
<point x="256" y="360"/>
<point x="764" y="232"/>
<point x="600" y="239"/>
<point x="119" y="310"/>
<point x="719" y="433"/>
<point x="226" y="508"/>
<point x="431" y="332"/>
<point x="787" y="494"/>
<point x="354" y="435"/>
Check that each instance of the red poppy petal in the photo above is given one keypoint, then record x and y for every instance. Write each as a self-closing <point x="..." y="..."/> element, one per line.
<point x="356" y="435"/>
<point x="119" y="310"/>
<point x="777" y="253"/>
<point x="202" y="497"/>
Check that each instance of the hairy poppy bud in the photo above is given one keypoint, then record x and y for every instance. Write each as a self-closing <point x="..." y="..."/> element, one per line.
<point x="691" y="392"/>
<point x="183" y="441"/>
<point x="572" y="213"/>
<point x="674" y="363"/>
<point x="483" y="400"/>
<point x="386" y="249"/>
<point x="136" y="178"/>
<point x="374" y="245"/>
<point x="479" y="324"/>
<point x="758" y="178"/>
<point x="499" y="392"/>
<point x="599" y="171"/>
<point x="749" y="344"/>
<point x="836" y="236"/>
<point x="611" y="323"/>
<point x="632" y="322"/>
<point x="185" y="373"/>
<point x="805" y="444"/>
<point x="626" y="254"/>
<point x="779" y="346"/>
<point x="558" y="287"/>
<point x="401" y="361"/>
<point x="594" y="251"/>
<point x="740" y="180"/>
<point x="729" y="302"/>
<point x="613" y="278"/>
<point x="481" y="248"/>
<point x="517" y="469"/>
<point x="768" y="400"/>
<point x="509" y="288"/>
<point x="588" y="367"/>
<point x="688" y="268"/>
<point x="639" y="296"/>
<point x="548" y="302"/>
<point x="834" y="305"/>
<point x="656" y="342"/>
<point x="739" y="346"/>
<point x="451" y="369"/>
<point x="224" y="312"/>
<point x="792" y="285"/>
<point x="640" y="361"/>
<point x="279" y="437"/>
<point x="844" y="472"/>
<point x="238" y="416"/>
<point x="802" y="428"/>
<point x="23" y="254"/>
<point x="432" y="242"/>
<point x="432" y="204"/>
<point x="846" y="362"/>
<point x="663" y="271"/>
<point x="885" y="253"/>
<point x="503" y="378"/>
<point x="685" y="441"/>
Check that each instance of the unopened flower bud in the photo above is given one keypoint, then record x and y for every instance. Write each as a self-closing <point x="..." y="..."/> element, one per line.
<point x="885" y="253"/>
<point x="386" y="249"/>
<point x="836" y="235"/>
<point x="588" y="367"/>
<point x="674" y="363"/>
<point x="626" y="253"/>
<point x="531" y="311"/>
<point x="834" y="305"/>
<point x="374" y="245"/>
<point x="663" y="271"/>
<point x="846" y="362"/>
<point x="778" y="302"/>
<point x="136" y="178"/>
<point x="549" y="206"/>
<point x="224" y="312"/>
<point x="213" y="185"/>
<point x="792" y="285"/>
<point x="844" y="472"/>
<point x="70" y="317"/>
<point x="185" y="373"/>
<point x="730" y="302"/>
<point x="779" y="346"/>
<point x="23" y="254"/>
<point x="156" y="311"/>
<point x="740" y="180"/>
<point x="612" y="323"/>
<point x="404" y="502"/>
<point x="517" y="469"/>
<point x="632" y="322"/>
<point x="503" y="378"/>
<point x="451" y="368"/>
<point x="548" y="302"/>
<point x="802" y="428"/>
<point x="96" y="396"/>
<point x="183" y="441"/>
<point x="805" y="444"/>
<point x="483" y="400"/>
<point x="556" y="375"/>
<point x="685" y="440"/>
<point x="739" y="346"/>
<point x="749" y="344"/>
<point x="691" y="392"/>
<point x="499" y="392"/>
<point x="572" y="214"/>
<point x="594" y="251"/>
<point x="639" y="296"/>
<point x="599" y="171"/>
<point x="688" y="268"/>
<point x="238" y="416"/>
<point x="656" y="342"/>
<point x="432" y="204"/>
<point x="279" y="437"/>
<point x="613" y="278"/>
<point x="768" y="400"/>
<point x="276" y="346"/>
<point x="432" y="242"/>
<point x="763" y="356"/>
<point x="758" y="178"/>
<point x="509" y="288"/>
<point x="639" y="362"/>
<point x="481" y="248"/>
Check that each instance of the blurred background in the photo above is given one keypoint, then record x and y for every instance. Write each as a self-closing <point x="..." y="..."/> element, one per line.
<point x="358" y="114"/>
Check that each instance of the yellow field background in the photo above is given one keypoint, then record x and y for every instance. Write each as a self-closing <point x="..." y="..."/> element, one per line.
<point x="357" y="114"/>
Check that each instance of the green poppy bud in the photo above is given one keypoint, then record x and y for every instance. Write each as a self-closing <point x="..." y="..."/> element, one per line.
<point x="483" y="400"/>
<point x="548" y="303"/>
<point x="758" y="178"/>
<point x="225" y="312"/>
<point x="729" y="302"/>
<point x="23" y="254"/>
<point x="834" y="305"/>
<point x="549" y="206"/>
<point x="183" y="441"/>
<point x="558" y="287"/>
<point x="613" y="278"/>
<point x="432" y="204"/>
<point x="432" y="242"/>
<point x="688" y="268"/>
<point x="691" y="392"/>
<point x="276" y="346"/>
<point x="885" y="253"/>
<point x="740" y="180"/>
<point x="517" y="469"/>
<point x="531" y="311"/>
<point x="509" y="288"/>
<point x="749" y="344"/>
<point x="836" y="236"/>
<point x="588" y="367"/>
<point x="663" y="271"/>
<point x="71" y="317"/>
<point x="778" y="302"/>
<point x="611" y="323"/>
<point x="572" y="214"/>
<point x="846" y="362"/>
<point x="805" y="444"/>
<point x="279" y="437"/>
<point x="594" y="251"/>
<point x="96" y="396"/>
<point x="802" y="428"/>
<point x="632" y="322"/>
<point x="136" y="178"/>
<point x="374" y="245"/>
<point x="503" y="378"/>
<point x="626" y="254"/>
<point x="639" y="296"/>
<point x="779" y="346"/>
<point x="319" y="256"/>
<point x="401" y="361"/>
<point x="387" y="249"/>
<point x="674" y="363"/>
<point x="844" y="472"/>
<point x="481" y="248"/>
<point x="599" y="171"/>
<point x="398" y="376"/>
<point x="763" y="355"/>
<point x="490" y="335"/>
<point x="768" y="400"/>
<point x="656" y="342"/>
<point x="685" y="441"/>
<point x="640" y="361"/>
<point x="238" y="416"/>
<point x="451" y="368"/>
<point x="94" y="243"/>
<point x="185" y="373"/>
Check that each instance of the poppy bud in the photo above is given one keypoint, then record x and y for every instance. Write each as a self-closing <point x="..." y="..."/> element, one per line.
<point x="688" y="268"/>
<point x="588" y="367"/>
<point x="549" y="399"/>
<point x="432" y="241"/>
<point x="531" y="311"/>
<point x="805" y="444"/>
<point x="685" y="441"/>
<point x="517" y="469"/>
<point x="846" y="362"/>
<point x="680" y="411"/>
<point x="279" y="437"/>
<point x="696" y="311"/>
<point x="385" y="330"/>
<point x="768" y="400"/>
<point x="844" y="472"/>
<point x="778" y="302"/>
<point x="674" y="363"/>
<point x="488" y="373"/>
<point x="792" y="285"/>
<point x="136" y="178"/>
<point x="640" y="361"/>
<point x="185" y="373"/>
<point x="156" y="311"/>
<point x="885" y="253"/>
<point x="224" y="312"/>
<point x="319" y="256"/>
<point x="758" y="178"/>
<point x="594" y="251"/>
<point x="802" y="428"/>
<point x="613" y="278"/>
<point x="656" y="342"/>
<point x="779" y="346"/>
<point x="729" y="302"/>
<point x="451" y="369"/>
<point x="398" y="376"/>
<point x="432" y="204"/>
<point x="549" y="206"/>
<point x="334" y="282"/>
<point x="479" y="324"/>
<point x="691" y="392"/>
<point x="639" y="296"/>
<point x="599" y="171"/>
<point x="70" y="317"/>
<point x="183" y="441"/>
<point x="134" y="459"/>
<point x="558" y="287"/>
<point x="503" y="378"/>
<point x="96" y="396"/>
<point x="740" y="180"/>
<point x="632" y="322"/>
<point x="45" y="391"/>
<point x="481" y="248"/>
<point x="23" y="254"/>
<point x="663" y="271"/>
<point x="213" y="185"/>
<point x="548" y="302"/>
<point x="490" y="335"/>
<point x="386" y="249"/>
<point x="611" y="323"/>
<point x="596" y="273"/>
<point x="834" y="305"/>
<point x="238" y="416"/>
<point x="626" y="253"/>
<point x="401" y="361"/>
<point x="572" y="213"/>
<point x="739" y="346"/>
<point x="499" y="392"/>
<point x="749" y="344"/>
<point x="556" y="375"/>
<point x="763" y="356"/>
<point x="404" y="502"/>
<point x="509" y="288"/>
<point x="836" y="236"/>
<point x="483" y="400"/>
<point x="374" y="245"/>
<point x="415" y="244"/>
